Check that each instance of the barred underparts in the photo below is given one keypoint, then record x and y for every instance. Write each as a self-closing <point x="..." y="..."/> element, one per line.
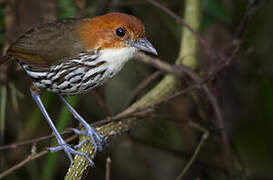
<point x="72" y="76"/>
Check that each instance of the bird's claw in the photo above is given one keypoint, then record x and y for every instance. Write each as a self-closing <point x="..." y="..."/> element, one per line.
<point x="80" y="144"/>
<point x="70" y="151"/>
<point x="78" y="132"/>
<point x="96" y="138"/>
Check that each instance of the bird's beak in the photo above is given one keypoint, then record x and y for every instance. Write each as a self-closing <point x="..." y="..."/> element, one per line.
<point x="142" y="44"/>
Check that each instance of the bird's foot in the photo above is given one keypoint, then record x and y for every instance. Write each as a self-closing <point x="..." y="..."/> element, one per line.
<point x="71" y="151"/>
<point x="96" y="138"/>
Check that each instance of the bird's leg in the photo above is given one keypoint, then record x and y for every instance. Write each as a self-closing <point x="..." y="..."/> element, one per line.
<point x="62" y="144"/>
<point x="96" y="138"/>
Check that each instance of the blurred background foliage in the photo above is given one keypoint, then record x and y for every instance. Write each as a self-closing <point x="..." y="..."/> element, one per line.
<point x="156" y="149"/>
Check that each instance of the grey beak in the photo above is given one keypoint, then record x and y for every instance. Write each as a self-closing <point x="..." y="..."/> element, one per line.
<point x="143" y="44"/>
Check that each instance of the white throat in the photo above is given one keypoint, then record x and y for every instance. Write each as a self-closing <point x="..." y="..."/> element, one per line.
<point x="116" y="58"/>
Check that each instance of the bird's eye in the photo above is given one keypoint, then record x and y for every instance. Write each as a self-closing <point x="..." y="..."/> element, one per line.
<point x="120" y="32"/>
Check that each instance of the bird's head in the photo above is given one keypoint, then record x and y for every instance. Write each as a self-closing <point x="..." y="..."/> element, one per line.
<point x="115" y="31"/>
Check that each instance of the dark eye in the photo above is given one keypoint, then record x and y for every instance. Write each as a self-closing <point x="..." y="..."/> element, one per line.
<point x="120" y="32"/>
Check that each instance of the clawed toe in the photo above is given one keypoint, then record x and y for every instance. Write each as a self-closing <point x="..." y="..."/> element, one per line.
<point x="80" y="144"/>
<point x="71" y="151"/>
<point x="55" y="149"/>
<point x="78" y="132"/>
<point x="96" y="138"/>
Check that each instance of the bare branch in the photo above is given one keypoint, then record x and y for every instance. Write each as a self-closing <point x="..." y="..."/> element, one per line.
<point x="143" y="85"/>
<point x="108" y="168"/>
<point x="183" y="23"/>
<point x="197" y="150"/>
<point x="22" y="163"/>
<point x="33" y="141"/>
<point x="31" y="157"/>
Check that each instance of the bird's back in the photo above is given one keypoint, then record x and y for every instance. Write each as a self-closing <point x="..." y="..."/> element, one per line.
<point x="48" y="44"/>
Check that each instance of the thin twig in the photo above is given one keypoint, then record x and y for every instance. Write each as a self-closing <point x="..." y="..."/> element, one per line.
<point x="108" y="168"/>
<point x="251" y="8"/>
<point x="183" y="23"/>
<point x="234" y="48"/>
<point x="145" y="109"/>
<point x="196" y="151"/>
<point x="245" y="172"/>
<point x="3" y="111"/>
<point x="147" y="81"/>
<point x="22" y="163"/>
<point x="178" y="153"/>
<point x="3" y="119"/>
<point x="179" y="70"/>
<point x="30" y="158"/>
<point x="159" y="64"/>
<point x="101" y="101"/>
<point x="32" y="141"/>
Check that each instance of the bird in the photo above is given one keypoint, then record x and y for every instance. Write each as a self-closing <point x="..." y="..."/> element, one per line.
<point x="74" y="55"/>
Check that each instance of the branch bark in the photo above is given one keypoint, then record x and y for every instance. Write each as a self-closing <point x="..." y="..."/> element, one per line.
<point x="163" y="89"/>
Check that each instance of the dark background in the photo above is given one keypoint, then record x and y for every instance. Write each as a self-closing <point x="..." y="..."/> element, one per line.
<point x="156" y="148"/>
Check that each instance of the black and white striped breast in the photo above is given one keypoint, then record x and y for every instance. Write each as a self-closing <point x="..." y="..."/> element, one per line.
<point x="72" y="76"/>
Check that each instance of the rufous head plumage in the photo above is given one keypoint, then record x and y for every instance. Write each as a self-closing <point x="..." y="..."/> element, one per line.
<point x="114" y="31"/>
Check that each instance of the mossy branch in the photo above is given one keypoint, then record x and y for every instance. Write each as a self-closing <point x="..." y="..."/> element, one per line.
<point x="168" y="85"/>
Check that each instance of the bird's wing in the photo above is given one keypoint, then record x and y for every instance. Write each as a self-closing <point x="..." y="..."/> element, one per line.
<point x="47" y="44"/>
